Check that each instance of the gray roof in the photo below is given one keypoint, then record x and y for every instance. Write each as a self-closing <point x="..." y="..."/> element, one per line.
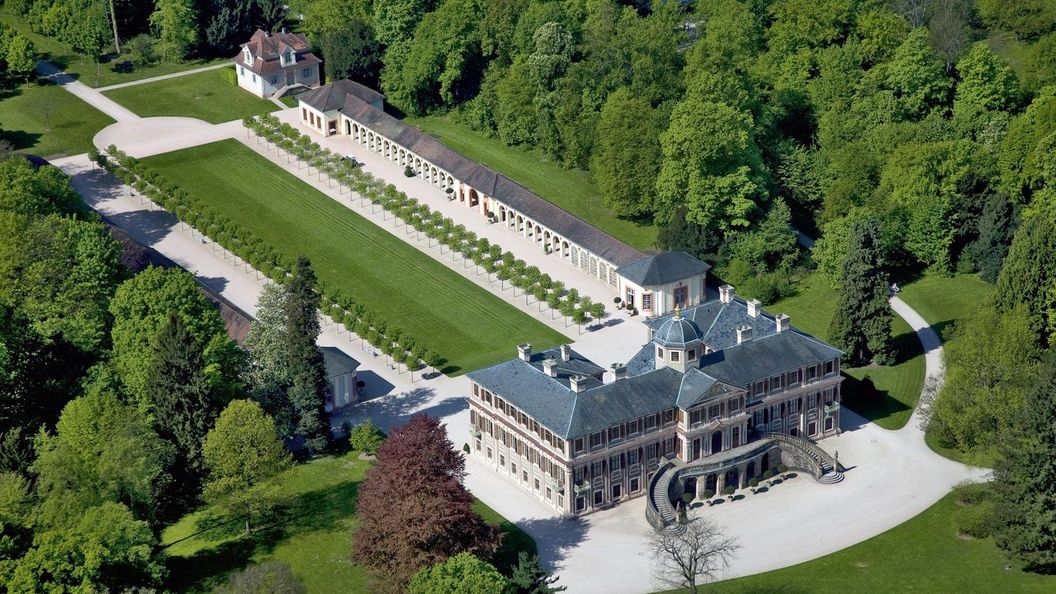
<point x="718" y="322"/>
<point x="677" y="332"/>
<point x="484" y="179"/>
<point x="761" y="358"/>
<point x="698" y="387"/>
<point x="337" y="362"/>
<point x="663" y="268"/>
<point x="622" y="400"/>
<point x="334" y="95"/>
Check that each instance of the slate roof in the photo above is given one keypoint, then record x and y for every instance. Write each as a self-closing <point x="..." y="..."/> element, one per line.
<point x="622" y="400"/>
<point x="718" y="322"/>
<point x="698" y="387"/>
<point x="489" y="182"/>
<point x="337" y="362"/>
<point x="662" y="268"/>
<point x="677" y="331"/>
<point x="333" y="95"/>
<point x="764" y="357"/>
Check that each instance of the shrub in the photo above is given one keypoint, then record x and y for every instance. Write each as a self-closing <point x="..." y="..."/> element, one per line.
<point x="729" y="490"/>
<point x="973" y="493"/>
<point x="754" y="482"/>
<point x="687" y="497"/>
<point x="408" y="172"/>
<point x="978" y="520"/>
<point x="709" y="494"/>
<point x="465" y="448"/>
<point x="366" y="437"/>
<point x="769" y="474"/>
<point x="782" y="468"/>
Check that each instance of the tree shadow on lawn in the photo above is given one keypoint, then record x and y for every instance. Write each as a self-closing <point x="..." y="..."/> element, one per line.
<point x="21" y="139"/>
<point x="313" y="511"/>
<point x="862" y="397"/>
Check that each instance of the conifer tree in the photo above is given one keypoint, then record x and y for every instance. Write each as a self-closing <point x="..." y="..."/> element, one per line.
<point x="862" y="324"/>
<point x="307" y="391"/>
<point x="529" y="577"/>
<point x="184" y="404"/>
<point x="1026" y="478"/>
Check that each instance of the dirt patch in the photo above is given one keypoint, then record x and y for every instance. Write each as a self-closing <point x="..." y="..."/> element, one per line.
<point x="964" y="536"/>
<point x="861" y="564"/>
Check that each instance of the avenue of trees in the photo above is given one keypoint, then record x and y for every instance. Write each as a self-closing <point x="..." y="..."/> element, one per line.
<point x="123" y="402"/>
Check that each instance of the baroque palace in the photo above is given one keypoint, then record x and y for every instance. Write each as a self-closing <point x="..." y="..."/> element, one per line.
<point x="721" y="393"/>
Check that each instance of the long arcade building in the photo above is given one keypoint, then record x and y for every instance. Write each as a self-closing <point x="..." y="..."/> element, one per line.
<point x="709" y="390"/>
<point x="654" y="284"/>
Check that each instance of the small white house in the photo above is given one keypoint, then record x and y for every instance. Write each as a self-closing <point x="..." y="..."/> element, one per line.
<point x="273" y="62"/>
<point x="657" y="284"/>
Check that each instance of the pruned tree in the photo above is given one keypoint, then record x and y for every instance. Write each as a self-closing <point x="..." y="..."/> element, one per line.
<point x="702" y="551"/>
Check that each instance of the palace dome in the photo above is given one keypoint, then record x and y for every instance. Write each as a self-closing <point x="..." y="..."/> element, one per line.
<point x="677" y="332"/>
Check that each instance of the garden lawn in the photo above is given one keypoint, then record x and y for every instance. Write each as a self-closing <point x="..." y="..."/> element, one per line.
<point x="924" y="554"/>
<point x="312" y="533"/>
<point x="468" y="326"/>
<point x="571" y="189"/>
<point x="942" y="301"/>
<point x="47" y="120"/>
<point x="894" y="390"/>
<point x="204" y="95"/>
<point x="86" y="70"/>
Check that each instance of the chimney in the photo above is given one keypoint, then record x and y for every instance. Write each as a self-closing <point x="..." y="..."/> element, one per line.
<point x="566" y="352"/>
<point x="617" y="372"/>
<point x="285" y="30"/>
<point x="577" y="383"/>
<point x="550" y="367"/>
<point x="754" y="307"/>
<point x="782" y="322"/>
<point x="744" y="333"/>
<point x="524" y="352"/>
<point x="726" y="293"/>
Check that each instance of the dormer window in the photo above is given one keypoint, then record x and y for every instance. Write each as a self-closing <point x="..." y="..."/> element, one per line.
<point x="287" y="57"/>
<point x="247" y="57"/>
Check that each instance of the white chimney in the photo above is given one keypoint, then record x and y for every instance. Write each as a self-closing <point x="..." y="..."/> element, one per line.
<point x="566" y="352"/>
<point x="524" y="352"/>
<point x="550" y="366"/>
<point x="577" y="382"/>
<point x="783" y="322"/>
<point x="754" y="307"/>
<point x="726" y="293"/>
<point x="615" y="373"/>
<point x="744" y="333"/>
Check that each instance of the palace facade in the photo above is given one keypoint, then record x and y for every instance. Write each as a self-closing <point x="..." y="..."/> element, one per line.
<point x="721" y="393"/>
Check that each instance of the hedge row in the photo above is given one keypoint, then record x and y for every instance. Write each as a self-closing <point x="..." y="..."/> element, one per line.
<point x="481" y="252"/>
<point x="344" y="310"/>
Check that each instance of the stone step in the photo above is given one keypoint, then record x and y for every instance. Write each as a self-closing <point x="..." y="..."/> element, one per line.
<point x="830" y="477"/>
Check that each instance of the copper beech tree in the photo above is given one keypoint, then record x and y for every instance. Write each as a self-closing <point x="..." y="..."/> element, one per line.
<point x="414" y="511"/>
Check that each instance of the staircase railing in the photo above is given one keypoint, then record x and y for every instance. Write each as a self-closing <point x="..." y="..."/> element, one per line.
<point x="820" y="460"/>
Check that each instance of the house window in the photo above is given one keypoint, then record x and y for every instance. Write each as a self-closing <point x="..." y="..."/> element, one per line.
<point x="254" y="78"/>
<point x="246" y="56"/>
<point x="274" y="80"/>
<point x="241" y="71"/>
<point x="306" y="73"/>
<point x="647" y="301"/>
<point x="659" y="352"/>
<point x="674" y="356"/>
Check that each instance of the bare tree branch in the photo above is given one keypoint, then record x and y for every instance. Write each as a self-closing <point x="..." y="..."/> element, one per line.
<point x="703" y="551"/>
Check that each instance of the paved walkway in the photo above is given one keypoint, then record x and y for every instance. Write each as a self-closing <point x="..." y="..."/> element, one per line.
<point x="151" y="79"/>
<point x="89" y="95"/>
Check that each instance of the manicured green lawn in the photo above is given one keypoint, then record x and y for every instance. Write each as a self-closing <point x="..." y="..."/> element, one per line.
<point x="571" y="189"/>
<point x="87" y="71"/>
<point x="941" y="301"/>
<point x="924" y="554"/>
<point x="312" y="533"/>
<point x="204" y="95"/>
<point x="47" y="120"/>
<point x="896" y="389"/>
<point x="468" y="326"/>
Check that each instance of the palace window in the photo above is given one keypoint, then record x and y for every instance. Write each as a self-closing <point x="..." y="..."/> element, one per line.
<point x="635" y="485"/>
<point x="489" y="453"/>
<point x="634" y="427"/>
<point x="734" y="405"/>
<point x="659" y="352"/>
<point x="793" y="378"/>
<point x="714" y="411"/>
<point x="615" y="433"/>
<point x="758" y="389"/>
<point x="502" y="462"/>
<point x="650" y="451"/>
<point x="812" y="373"/>
<point x="597" y="469"/>
<point x="577" y="445"/>
<point x="669" y="416"/>
<point x="549" y="494"/>
<point x="694" y="417"/>
<point x="692" y="355"/>
<point x="476" y="388"/>
<point x="615" y="463"/>
<point x="524" y="475"/>
<point x="537" y="486"/>
<point x="647" y="301"/>
<point x="810" y="401"/>
<point x="630" y="296"/>
<point x="595" y="440"/>
<point x="650" y="423"/>
<point x="674" y="356"/>
<point x="559" y="444"/>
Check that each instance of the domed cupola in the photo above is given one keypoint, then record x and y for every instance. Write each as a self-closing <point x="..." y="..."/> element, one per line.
<point x="677" y="342"/>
